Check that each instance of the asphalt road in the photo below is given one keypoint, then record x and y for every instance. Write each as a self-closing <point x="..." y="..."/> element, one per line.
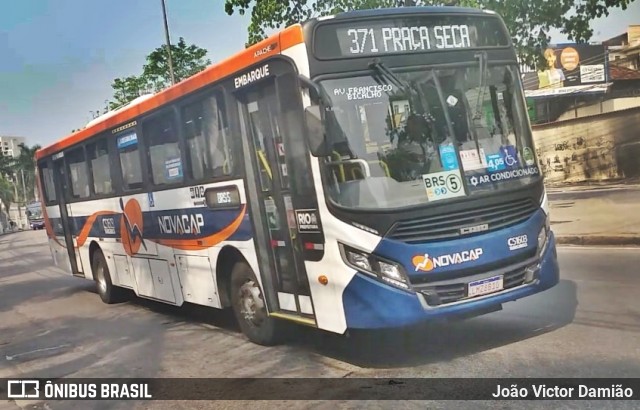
<point x="56" y="326"/>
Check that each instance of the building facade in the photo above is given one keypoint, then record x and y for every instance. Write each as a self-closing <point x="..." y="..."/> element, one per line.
<point x="585" y="110"/>
<point x="9" y="146"/>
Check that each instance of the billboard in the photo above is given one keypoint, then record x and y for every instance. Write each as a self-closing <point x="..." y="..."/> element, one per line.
<point x="569" y="68"/>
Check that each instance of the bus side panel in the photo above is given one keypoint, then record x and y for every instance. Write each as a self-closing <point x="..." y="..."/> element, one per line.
<point x="196" y="242"/>
<point x="191" y="235"/>
<point x="95" y="222"/>
<point x="184" y="235"/>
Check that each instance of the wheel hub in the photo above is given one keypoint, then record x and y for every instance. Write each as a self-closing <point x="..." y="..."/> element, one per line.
<point x="251" y="303"/>
<point x="102" y="282"/>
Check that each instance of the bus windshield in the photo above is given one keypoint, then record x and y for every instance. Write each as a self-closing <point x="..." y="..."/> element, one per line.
<point x="417" y="136"/>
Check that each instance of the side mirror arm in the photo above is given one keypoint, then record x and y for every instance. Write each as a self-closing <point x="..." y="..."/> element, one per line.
<point x="308" y="83"/>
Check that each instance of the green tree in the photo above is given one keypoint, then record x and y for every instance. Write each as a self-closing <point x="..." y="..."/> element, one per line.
<point x="127" y="89"/>
<point x="186" y="59"/>
<point x="528" y="21"/>
<point x="7" y="166"/>
<point x="25" y="167"/>
<point x="6" y="193"/>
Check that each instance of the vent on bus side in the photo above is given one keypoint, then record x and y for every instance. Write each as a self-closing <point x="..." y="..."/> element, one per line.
<point x="451" y="226"/>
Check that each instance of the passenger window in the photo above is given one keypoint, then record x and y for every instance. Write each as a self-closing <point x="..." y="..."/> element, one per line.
<point x="209" y="146"/>
<point x="78" y="173"/>
<point x="163" y="150"/>
<point x="46" y="174"/>
<point x="130" y="160"/>
<point x="98" y="155"/>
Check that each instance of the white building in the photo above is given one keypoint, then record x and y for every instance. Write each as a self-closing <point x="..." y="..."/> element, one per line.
<point x="9" y="145"/>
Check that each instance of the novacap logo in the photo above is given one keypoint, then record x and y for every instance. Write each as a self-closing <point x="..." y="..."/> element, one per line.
<point x="426" y="263"/>
<point x="132" y="227"/>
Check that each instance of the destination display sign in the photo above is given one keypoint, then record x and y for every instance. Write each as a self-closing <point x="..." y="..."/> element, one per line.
<point x="407" y="35"/>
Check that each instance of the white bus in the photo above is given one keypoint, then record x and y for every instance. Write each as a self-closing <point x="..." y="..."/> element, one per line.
<point x="372" y="169"/>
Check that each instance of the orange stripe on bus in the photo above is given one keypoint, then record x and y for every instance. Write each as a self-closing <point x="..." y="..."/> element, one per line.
<point x="285" y="39"/>
<point x="86" y="229"/>
<point x="206" y="242"/>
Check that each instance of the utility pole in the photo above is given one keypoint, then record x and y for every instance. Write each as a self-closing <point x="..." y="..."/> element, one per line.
<point x="24" y="197"/>
<point x="166" y="34"/>
<point x="17" y="199"/>
<point x="24" y="188"/>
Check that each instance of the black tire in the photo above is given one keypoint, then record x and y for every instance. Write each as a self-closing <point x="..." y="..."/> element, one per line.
<point x="257" y="326"/>
<point x="107" y="291"/>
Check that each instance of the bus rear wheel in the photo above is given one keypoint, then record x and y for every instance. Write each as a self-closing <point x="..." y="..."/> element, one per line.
<point x="107" y="291"/>
<point x="250" y="309"/>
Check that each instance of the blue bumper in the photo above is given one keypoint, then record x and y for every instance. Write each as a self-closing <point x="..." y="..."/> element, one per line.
<point x="371" y="304"/>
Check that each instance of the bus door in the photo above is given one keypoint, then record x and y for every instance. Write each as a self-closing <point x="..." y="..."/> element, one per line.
<point x="264" y="132"/>
<point x="68" y="227"/>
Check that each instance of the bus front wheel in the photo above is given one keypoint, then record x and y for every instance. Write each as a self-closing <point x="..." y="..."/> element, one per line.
<point x="107" y="291"/>
<point x="250" y="309"/>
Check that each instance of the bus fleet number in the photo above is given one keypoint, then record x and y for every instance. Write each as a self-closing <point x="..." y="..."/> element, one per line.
<point x="224" y="197"/>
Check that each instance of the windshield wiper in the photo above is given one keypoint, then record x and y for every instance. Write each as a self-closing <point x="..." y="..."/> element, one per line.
<point x="378" y="66"/>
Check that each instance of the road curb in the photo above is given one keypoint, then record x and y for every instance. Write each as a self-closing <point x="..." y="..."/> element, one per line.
<point x="598" y="240"/>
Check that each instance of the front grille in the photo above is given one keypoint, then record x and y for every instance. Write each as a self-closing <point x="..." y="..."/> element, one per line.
<point x="444" y="227"/>
<point x="438" y="295"/>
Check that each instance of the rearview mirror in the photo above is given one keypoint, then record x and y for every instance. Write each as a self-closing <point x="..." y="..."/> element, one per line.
<point x="316" y="132"/>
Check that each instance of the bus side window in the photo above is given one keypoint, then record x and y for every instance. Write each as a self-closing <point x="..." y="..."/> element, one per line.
<point x="163" y="149"/>
<point x="209" y="149"/>
<point x="130" y="160"/>
<point x="46" y="174"/>
<point x="100" y="167"/>
<point x="78" y="173"/>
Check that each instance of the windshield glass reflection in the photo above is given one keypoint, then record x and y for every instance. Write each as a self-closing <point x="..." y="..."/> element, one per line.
<point x="403" y="139"/>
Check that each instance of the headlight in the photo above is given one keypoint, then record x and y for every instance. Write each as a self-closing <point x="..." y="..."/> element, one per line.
<point x="358" y="260"/>
<point x="384" y="270"/>
<point x="544" y="232"/>
<point x="542" y="239"/>
<point x="544" y="202"/>
<point x="547" y="223"/>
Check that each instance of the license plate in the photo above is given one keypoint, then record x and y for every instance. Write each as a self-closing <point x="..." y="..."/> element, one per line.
<point x="485" y="286"/>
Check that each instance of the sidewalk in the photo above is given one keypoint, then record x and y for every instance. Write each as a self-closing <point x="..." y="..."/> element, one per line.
<point x="596" y="215"/>
<point x="618" y="183"/>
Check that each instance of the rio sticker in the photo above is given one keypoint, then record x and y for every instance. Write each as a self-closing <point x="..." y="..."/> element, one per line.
<point x="443" y="185"/>
<point x="307" y="220"/>
<point x="448" y="157"/>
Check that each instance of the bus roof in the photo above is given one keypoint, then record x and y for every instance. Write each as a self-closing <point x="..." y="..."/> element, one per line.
<point x="285" y="39"/>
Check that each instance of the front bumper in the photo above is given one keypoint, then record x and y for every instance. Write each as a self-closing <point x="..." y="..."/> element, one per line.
<point x="371" y="304"/>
